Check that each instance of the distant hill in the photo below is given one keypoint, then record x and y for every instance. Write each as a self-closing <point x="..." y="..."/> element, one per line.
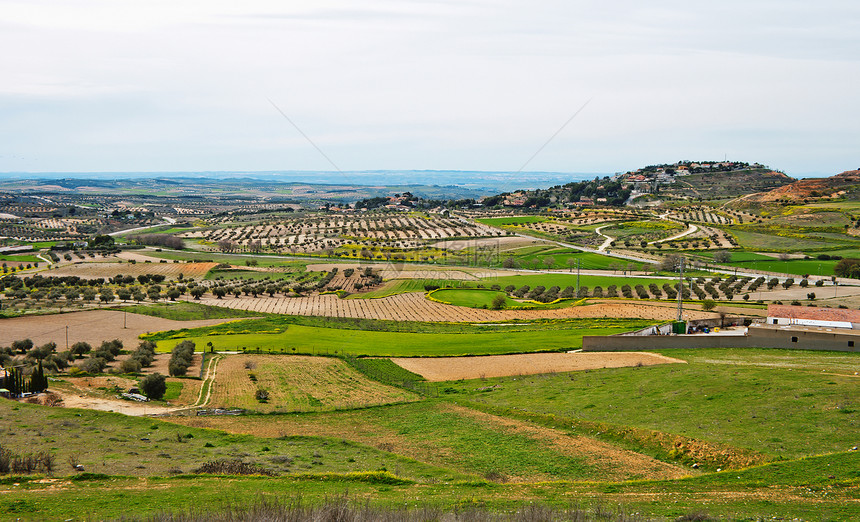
<point x="705" y="180"/>
<point x="841" y="186"/>
<point x="730" y="184"/>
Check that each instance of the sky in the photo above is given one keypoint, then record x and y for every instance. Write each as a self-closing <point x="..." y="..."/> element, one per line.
<point x="496" y="85"/>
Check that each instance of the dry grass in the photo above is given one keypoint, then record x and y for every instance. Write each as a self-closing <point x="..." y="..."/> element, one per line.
<point x="297" y="383"/>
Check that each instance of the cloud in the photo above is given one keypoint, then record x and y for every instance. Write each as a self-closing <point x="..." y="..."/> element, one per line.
<point x="434" y="84"/>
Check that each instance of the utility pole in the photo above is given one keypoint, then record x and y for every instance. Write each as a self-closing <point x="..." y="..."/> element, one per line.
<point x="577" y="277"/>
<point x="124" y="313"/>
<point x="67" y="338"/>
<point x="681" y="290"/>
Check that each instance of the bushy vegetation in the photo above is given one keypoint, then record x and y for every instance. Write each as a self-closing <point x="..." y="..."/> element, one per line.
<point x="153" y="386"/>
<point x="180" y="358"/>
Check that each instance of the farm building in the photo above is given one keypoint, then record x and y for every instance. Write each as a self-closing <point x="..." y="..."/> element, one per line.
<point x="811" y="316"/>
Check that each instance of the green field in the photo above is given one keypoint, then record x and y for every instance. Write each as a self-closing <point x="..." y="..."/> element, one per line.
<point x="316" y="340"/>
<point x="754" y="261"/>
<point x="564" y="258"/>
<point x="186" y="311"/>
<point x="786" y="243"/>
<point x="475" y="298"/>
<point x="647" y="229"/>
<point x="782" y="403"/>
<point x="737" y="495"/>
<point x="569" y="279"/>
<point x="136" y="446"/>
<point x="237" y="259"/>
<point x="402" y="286"/>
<point x="250" y="275"/>
<point x="496" y="443"/>
<point x="21" y="258"/>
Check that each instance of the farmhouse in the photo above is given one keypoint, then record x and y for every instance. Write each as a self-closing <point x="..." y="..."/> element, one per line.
<point x="810" y="316"/>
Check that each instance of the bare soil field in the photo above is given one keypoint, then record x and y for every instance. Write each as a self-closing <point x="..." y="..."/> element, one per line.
<point x="505" y="242"/>
<point x="395" y="270"/>
<point x="438" y="369"/>
<point x="414" y="307"/>
<point x="297" y="383"/>
<point x="138" y="256"/>
<point x="111" y="269"/>
<point x="93" y="326"/>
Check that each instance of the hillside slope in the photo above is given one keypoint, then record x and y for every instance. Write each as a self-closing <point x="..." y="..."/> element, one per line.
<point x="717" y="185"/>
<point x="844" y="185"/>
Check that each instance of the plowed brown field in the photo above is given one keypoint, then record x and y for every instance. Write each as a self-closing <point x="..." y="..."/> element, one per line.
<point x="414" y="307"/>
<point x="108" y="269"/>
<point x="454" y="368"/>
<point x="93" y="326"/>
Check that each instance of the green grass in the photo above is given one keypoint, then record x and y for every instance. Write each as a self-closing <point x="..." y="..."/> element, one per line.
<point x="479" y="447"/>
<point x="186" y="311"/>
<point x="764" y="241"/>
<point x="41" y="244"/>
<point x="783" y="405"/>
<point x="476" y="298"/>
<point x="754" y="261"/>
<point x="731" y="495"/>
<point x="648" y="229"/>
<point x="316" y="340"/>
<point x="238" y="259"/>
<point x="21" y="258"/>
<point x="174" y="389"/>
<point x="116" y="444"/>
<point x="791" y="266"/>
<point x="252" y="275"/>
<point x="562" y="259"/>
<point x="735" y="256"/>
<point x="385" y="371"/>
<point x="402" y="286"/>
<point x="569" y="279"/>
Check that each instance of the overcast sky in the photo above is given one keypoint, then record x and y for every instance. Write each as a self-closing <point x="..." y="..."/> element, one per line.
<point x="119" y="85"/>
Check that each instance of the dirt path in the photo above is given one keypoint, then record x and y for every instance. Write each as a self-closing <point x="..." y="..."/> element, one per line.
<point x="208" y="380"/>
<point x="615" y="463"/>
<point x="691" y="230"/>
<point x="454" y="368"/>
<point x="618" y="463"/>
<point x="607" y="242"/>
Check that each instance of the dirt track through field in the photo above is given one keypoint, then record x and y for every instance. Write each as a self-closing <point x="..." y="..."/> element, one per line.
<point x="454" y="368"/>
<point x="414" y="307"/>
<point x="92" y="326"/>
<point x="618" y="463"/>
<point x="613" y="462"/>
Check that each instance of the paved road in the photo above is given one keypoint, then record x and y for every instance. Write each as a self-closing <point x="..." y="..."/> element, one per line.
<point x="168" y="221"/>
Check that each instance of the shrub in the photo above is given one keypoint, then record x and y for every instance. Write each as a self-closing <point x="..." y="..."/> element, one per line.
<point x="180" y="358"/>
<point x="154" y="386"/>
<point x="80" y="348"/>
<point x="130" y="366"/>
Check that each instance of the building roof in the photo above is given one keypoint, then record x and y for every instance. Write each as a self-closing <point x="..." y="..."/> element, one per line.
<point x="814" y="313"/>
